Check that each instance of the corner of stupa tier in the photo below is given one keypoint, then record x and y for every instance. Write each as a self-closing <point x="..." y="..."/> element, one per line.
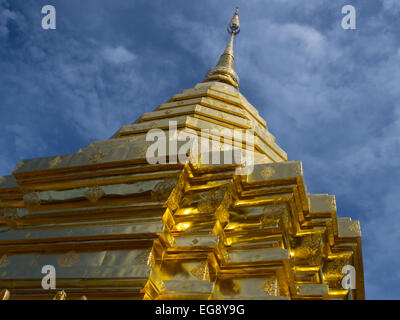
<point x="105" y="216"/>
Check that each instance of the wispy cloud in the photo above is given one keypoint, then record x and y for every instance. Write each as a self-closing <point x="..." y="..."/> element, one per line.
<point x="392" y="6"/>
<point x="330" y="96"/>
<point x="118" y="55"/>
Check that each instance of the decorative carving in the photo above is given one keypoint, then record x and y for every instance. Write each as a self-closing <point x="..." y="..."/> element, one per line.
<point x="146" y="257"/>
<point x="68" y="259"/>
<point x="132" y="139"/>
<point x="222" y="212"/>
<point x="4" y="261"/>
<point x="331" y="203"/>
<point x="267" y="172"/>
<point x="355" y="227"/>
<point x="60" y="295"/>
<point x="201" y="271"/>
<point x="236" y="287"/>
<point x="170" y="239"/>
<point x="267" y="220"/>
<point x="272" y="213"/>
<point x="31" y="199"/>
<point x="176" y="194"/>
<point x="97" y="156"/>
<point x="334" y="267"/>
<point x="160" y="284"/>
<point x="185" y="286"/>
<point x="313" y="241"/>
<point x="142" y="151"/>
<point x="54" y="162"/>
<point x="299" y="170"/>
<point x="163" y="189"/>
<point x="311" y="246"/>
<point x="270" y="286"/>
<point x="211" y="200"/>
<point x="93" y="194"/>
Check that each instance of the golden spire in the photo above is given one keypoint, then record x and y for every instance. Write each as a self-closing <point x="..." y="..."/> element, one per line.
<point x="225" y="69"/>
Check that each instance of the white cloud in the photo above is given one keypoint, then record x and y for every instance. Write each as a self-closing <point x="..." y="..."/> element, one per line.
<point x="392" y="6"/>
<point x="307" y="38"/>
<point x="118" y="55"/>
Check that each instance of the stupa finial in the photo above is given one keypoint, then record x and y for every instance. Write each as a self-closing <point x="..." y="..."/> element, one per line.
<point x="234" y="25"/>
<point x="224" y="71"/>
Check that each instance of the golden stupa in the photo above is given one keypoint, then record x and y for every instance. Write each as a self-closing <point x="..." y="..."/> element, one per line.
<point x="115" y="226"/>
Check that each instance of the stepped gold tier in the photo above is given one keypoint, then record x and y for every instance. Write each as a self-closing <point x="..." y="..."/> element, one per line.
<point x="115" y="226"/>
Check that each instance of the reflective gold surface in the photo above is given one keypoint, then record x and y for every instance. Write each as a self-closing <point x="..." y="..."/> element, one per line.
<point x="116" y="227"/>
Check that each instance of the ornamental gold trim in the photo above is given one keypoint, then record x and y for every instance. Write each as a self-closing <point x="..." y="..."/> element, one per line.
<point x="163" y="189"/>
<point x="93" y="194"/>
<point x="68" y="259"/>
<point x="355" y="227"/>
<point x="54" y="162"/>
<point x="270" y="287"/>
<point x="97" y="156"/>
<point x="31" y="199"/>
<point x="60" y="295"/>
<point x="211" y="200"/>
<point x="331" y="203"/>
<point x="4" y="261"/>
<point x="146" y="257"/>
<point x="267" y="172"/>
<point x="201" y="271"/>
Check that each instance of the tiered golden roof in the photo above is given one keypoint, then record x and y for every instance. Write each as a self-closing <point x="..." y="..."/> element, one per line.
<point x="116" y="227"/>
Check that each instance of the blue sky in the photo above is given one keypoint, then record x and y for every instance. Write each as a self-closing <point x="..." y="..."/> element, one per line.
<point x="330" y="96"/>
